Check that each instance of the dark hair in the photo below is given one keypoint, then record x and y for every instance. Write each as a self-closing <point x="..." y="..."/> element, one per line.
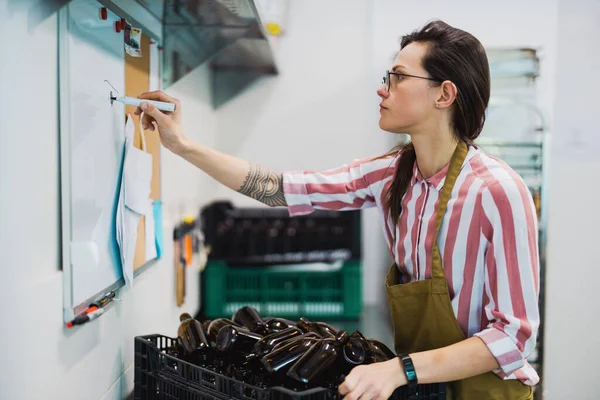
<point x="456" y="56"/>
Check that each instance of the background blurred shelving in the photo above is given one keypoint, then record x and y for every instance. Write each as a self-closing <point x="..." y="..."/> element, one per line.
<point x="516" y="131"/>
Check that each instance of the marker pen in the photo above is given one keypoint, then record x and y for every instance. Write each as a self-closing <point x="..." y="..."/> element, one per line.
<point x="83" y="318"/>
<point x="132" y="101"/>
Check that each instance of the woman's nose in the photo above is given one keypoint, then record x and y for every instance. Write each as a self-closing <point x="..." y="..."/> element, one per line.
<point x="381" y="92"/>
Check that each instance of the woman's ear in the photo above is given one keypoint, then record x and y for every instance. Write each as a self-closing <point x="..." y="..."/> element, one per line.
<point x="447" y="95"/>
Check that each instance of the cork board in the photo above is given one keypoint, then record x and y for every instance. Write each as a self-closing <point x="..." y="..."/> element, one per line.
<point x="137" y="81"/>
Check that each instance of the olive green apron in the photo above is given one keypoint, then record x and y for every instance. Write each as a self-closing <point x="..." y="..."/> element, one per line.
<point x="423" y="318"/>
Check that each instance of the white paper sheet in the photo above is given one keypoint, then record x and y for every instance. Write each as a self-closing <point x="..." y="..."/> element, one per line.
<point x="134" y="200"/>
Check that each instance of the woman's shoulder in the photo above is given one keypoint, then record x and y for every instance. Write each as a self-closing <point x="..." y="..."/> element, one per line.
<point x="378" y="167"/>
<point x="492" y="170"/>
<point x="387" y="159"/>
<point x="498" y="179"/>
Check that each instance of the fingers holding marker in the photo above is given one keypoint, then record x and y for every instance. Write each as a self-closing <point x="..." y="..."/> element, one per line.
<point x="159" y="95"/>
<point x="152" y="115"/>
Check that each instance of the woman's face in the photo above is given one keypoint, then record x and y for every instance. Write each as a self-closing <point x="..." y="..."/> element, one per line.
<point x="410" y="101"/>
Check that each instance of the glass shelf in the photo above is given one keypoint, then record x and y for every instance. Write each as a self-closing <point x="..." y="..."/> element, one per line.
<point x="226" y="33"/>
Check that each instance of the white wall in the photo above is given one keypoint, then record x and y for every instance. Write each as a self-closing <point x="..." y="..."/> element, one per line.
<point x="40" y="358"/>
<point x="572" y="316"/>
<point x="320" y="112"/>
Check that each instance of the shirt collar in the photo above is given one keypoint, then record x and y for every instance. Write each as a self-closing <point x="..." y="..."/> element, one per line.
<point x="416" y="175"/>
<point x="439" y="178"/>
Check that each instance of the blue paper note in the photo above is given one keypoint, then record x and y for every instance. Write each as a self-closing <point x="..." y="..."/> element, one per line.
<point x="158" y="227"/>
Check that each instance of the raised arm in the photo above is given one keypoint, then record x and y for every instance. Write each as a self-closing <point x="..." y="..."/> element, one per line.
<point x="252" y="180"/>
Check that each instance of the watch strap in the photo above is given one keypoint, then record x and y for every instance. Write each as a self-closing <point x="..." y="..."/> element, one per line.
<point x="411" y="375"/>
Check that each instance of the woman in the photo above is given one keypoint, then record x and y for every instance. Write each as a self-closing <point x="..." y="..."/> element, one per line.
<point x="460" y="226"/>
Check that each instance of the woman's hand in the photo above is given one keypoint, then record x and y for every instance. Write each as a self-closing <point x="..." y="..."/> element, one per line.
<point x="168" y="123"/>
<point x="374" y="381"/>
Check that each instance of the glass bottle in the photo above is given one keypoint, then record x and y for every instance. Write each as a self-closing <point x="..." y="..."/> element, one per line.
<point x="313" y="366"/>
<point x="236" y="346"/>
<point x="301" y="337"/>
<point x="191" y="334"/>
<point x="193" y="345"/>
<point x="231" y="338"/>
<point x="321" y="328"/>
<point x="265" y="344"/>
<point x="275" y="325"/>
<point x="375" y="350"/>
<point x="215" y="326"/>
<point x="286" y="353"/>
<point x="380" y="351"/>
<point x="250" y="318"/>
<point x="205" y="325"/>
<point x="353" y="354"/>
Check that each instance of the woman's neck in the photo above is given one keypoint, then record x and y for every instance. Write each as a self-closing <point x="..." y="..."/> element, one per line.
<point x="433" y="154"/>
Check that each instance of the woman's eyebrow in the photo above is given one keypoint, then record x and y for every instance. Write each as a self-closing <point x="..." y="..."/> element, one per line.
<point x="398" y="67"/>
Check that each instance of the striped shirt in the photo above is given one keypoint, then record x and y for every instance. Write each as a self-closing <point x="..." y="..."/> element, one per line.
<point x="488" y="242"/>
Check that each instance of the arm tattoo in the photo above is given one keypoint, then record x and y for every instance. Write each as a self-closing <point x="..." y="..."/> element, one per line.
<point x="264" y="186"/>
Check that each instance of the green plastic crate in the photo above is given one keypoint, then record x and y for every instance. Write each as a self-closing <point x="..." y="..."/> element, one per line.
<point x="281" y="293"/>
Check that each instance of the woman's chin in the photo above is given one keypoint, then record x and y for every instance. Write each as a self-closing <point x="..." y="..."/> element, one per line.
<point x="389" y="127"/>
<point x="382" y="124"/>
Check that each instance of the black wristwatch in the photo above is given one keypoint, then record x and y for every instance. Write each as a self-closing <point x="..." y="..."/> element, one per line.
<point x="411" y="375"/>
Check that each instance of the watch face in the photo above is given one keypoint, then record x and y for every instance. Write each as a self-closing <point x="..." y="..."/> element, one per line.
<point x="409" y="370"/>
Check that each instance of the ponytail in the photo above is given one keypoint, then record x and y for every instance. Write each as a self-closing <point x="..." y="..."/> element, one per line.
<point x="400" y="182"/>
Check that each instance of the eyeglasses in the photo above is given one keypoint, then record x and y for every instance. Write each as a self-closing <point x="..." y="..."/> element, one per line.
<point x="387" y="81"/>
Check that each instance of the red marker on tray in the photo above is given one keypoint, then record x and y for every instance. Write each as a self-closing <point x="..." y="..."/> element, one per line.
<point x="86" y="316"/>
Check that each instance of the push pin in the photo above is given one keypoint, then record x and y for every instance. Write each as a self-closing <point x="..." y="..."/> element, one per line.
<point x="132" y="101"/>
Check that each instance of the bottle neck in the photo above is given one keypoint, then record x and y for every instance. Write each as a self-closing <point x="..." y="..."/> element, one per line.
<point x="184" y="317"/>
<point x="342" y="337"/>
<point x="304" y="324"/>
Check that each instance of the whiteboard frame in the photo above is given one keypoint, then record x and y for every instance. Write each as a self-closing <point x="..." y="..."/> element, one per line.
<point x="71" y="310"/>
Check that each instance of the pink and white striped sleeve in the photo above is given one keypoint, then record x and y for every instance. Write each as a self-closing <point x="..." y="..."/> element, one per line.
<point x="349" y="187"/>
<point x="509" y="223"/>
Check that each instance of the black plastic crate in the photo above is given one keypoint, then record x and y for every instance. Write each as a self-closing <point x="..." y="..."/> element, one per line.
<point x="163" y="388"/>
<point x="266" y="235"/>
<point x="159" y="375"/>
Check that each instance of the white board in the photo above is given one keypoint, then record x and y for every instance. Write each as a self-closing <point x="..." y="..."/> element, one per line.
<point x="92" y="144"/>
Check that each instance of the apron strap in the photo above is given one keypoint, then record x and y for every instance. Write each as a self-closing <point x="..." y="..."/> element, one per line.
<point x="458" y="158"/>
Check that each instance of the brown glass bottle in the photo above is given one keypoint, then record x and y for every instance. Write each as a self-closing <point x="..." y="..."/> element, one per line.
<point x="323" y="329"/>
<point x="381" y="351"/>
<point x="231" y="338"/>
<point x="375" y="350"/>
<point x="264" y="345"/>
<point x="275" y="325"/>
<point x="191" y="334"/>
<point x="312" y="367"/>
<point x="288" y="341"/>
<point x="284" y="354"/>
<point x="236" y="345"/>
<point x="216" y="325"/>
<point x="250" y="318"/>
<point x="353" y="354"/>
